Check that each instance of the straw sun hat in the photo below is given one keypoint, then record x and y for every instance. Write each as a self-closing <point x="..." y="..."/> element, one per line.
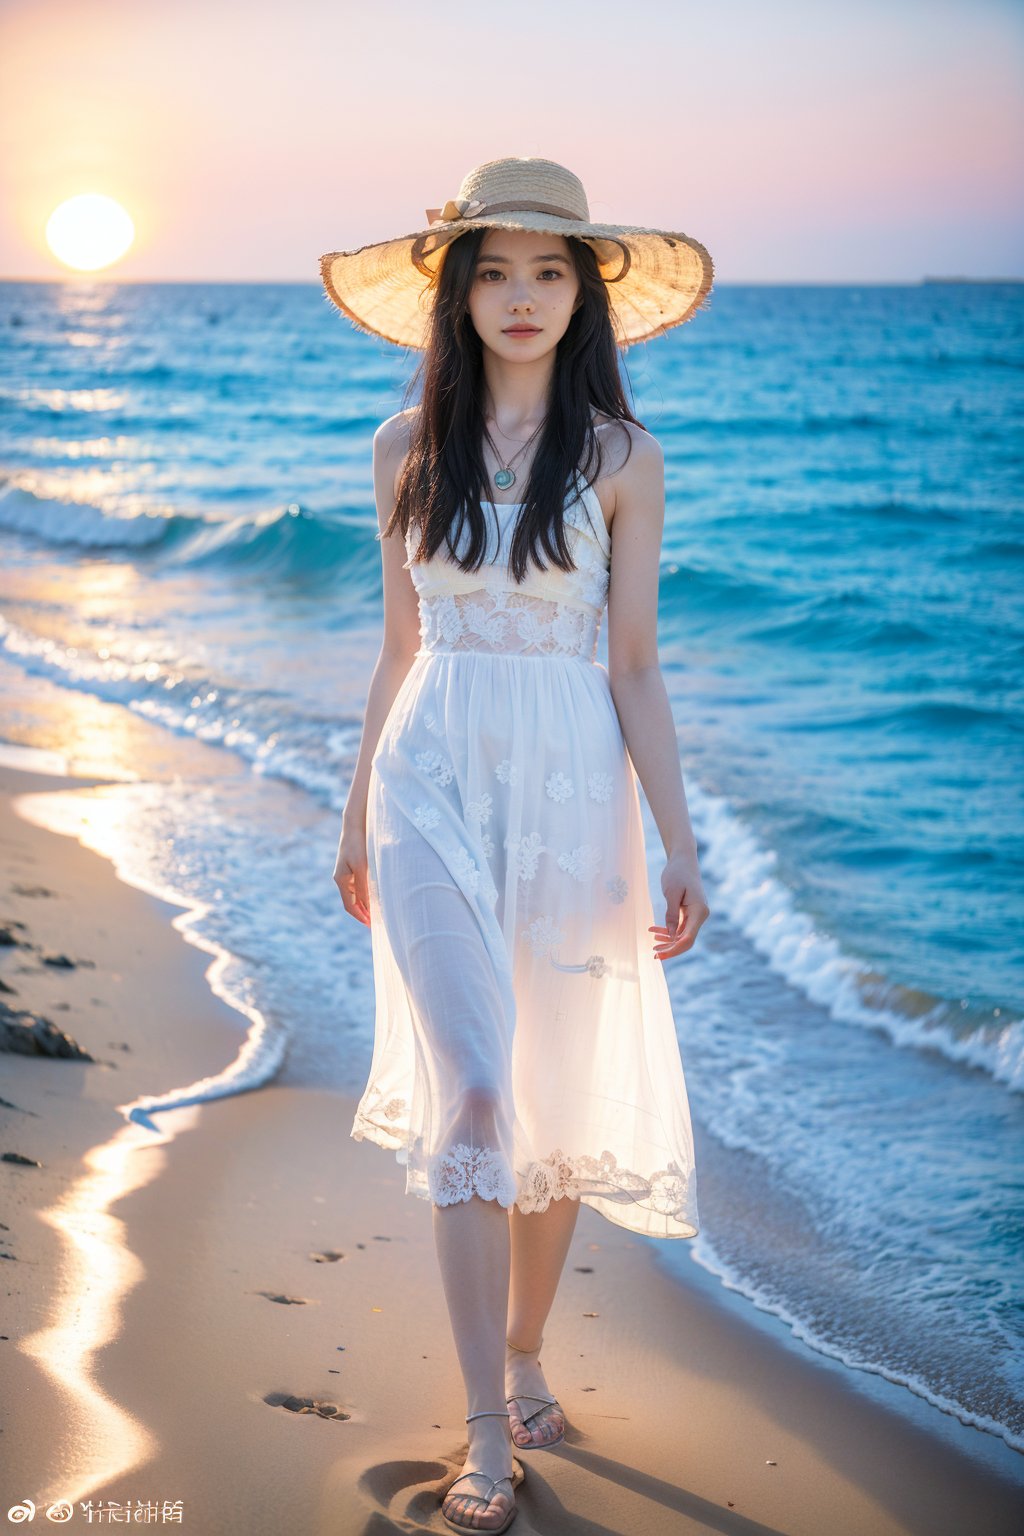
<point x="656" y="278"/>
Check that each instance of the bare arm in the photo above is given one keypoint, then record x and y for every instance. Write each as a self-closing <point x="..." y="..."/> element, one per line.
<point x="638" y="688"/>
<point x="399" y="645"/>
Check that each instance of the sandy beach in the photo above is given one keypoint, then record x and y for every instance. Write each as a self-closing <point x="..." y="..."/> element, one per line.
<point x="236" y="1317"/>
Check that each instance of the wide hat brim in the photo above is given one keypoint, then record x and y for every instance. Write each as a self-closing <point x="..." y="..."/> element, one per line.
<point x="657" y="278"/>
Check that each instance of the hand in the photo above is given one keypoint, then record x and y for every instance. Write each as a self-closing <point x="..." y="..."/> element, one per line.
<point x="685" y="900"/>
<point x="350" y="874"/>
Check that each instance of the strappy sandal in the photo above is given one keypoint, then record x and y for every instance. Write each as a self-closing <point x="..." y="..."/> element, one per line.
<point x="545" y="1402"/>
<point x="517" y="1477"/>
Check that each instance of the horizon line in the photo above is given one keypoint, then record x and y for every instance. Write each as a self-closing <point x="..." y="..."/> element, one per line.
<point x="750" y="282"/>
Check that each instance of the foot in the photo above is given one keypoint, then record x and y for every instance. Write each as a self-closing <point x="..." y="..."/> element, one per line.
<point x="534" y="1420"/>
<point x="490" y="1456"/>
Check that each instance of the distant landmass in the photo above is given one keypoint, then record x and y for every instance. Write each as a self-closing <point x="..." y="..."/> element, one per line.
<point x="927" y="280"/>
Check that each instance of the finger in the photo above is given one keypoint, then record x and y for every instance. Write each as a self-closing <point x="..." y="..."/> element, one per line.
<point x="350" y="900"/>
<point x="692" y="919"/>
<point x="355" y="910"/>
<point x="674" y="944"/>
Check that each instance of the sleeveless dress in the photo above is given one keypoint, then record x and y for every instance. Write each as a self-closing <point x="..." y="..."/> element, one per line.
<point x="524" y="1047"/>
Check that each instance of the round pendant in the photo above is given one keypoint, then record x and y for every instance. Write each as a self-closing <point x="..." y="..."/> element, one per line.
<point x="504" y="478"/>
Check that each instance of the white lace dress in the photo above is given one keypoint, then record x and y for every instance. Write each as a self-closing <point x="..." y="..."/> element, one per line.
<point x="525" y="1048"/>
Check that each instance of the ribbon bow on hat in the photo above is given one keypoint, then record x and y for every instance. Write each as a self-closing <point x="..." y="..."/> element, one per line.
<point x="455" y="208"/>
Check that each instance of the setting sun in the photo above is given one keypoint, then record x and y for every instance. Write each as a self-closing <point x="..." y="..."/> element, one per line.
<point x="89" y="231"/>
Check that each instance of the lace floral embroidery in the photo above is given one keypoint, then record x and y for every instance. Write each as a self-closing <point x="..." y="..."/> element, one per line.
<point x="464" y="866"/>
<point x="379" y="1108"/>
<point x="507" y="771"/>
<point x="593" y="582"/>
<point x="546" y="1181"/>
<point x="462" y="1172"/>
<point x="582" y="862"/>
<point x="558" y="787"/>
<point x="525" y="852"/>
<point x="480" y="810"/>
<point x="599" y="787"/>
<point x="426" y="817"/>
<point x="476" y="880"/>
<point x="492" y="618"/>
<point x="542" y="934"/>
<point x="617" y="889"/>
<point x="436" y="766"/>
<point x="669" y="1192"/>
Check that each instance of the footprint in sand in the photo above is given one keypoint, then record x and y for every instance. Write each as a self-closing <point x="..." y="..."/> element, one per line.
<point x="321" y="1406"/>
<point x="328" y="1256"/>
<point x="287" y="1301"/>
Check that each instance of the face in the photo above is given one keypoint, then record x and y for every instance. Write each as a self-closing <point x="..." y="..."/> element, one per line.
<point x="523" y="279"/>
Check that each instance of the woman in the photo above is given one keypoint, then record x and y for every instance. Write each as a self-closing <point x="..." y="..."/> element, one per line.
<point x="525" y="1048"/>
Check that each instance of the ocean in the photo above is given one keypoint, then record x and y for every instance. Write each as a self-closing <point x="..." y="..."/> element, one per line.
<point x="190" y="605"/>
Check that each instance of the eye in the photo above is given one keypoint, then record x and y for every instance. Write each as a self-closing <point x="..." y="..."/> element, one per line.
<point x="494" y="272"/>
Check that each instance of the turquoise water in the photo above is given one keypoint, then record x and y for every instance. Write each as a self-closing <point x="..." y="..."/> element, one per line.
<point x="190" y="596"/>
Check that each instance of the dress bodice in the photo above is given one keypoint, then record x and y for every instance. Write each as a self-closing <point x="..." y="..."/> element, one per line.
<point x="549" y="613"/>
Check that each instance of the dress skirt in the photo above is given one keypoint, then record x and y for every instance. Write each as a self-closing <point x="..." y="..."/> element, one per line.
<point x="525" y="1047"/>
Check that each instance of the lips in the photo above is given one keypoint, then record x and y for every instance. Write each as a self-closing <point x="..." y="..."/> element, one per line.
<point x="521" y="330"/>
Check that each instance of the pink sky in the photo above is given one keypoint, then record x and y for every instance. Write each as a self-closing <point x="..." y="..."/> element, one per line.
<point x="821" y="140"/>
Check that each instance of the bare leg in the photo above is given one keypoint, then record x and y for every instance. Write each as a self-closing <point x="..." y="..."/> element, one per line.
<point x="540" y="1242"/>
<point x="472" y="1239"/>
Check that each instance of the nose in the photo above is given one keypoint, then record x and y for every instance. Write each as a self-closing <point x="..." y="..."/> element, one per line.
<point x="520" y="299"/>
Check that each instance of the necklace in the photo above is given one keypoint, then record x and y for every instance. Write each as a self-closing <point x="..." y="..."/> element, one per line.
<point x="506" y="475"/>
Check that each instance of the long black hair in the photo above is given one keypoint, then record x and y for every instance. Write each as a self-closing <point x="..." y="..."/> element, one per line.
<point x="444" y="477"/>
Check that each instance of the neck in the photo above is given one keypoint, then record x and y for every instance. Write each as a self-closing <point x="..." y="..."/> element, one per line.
<point x="516" y="394"/>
